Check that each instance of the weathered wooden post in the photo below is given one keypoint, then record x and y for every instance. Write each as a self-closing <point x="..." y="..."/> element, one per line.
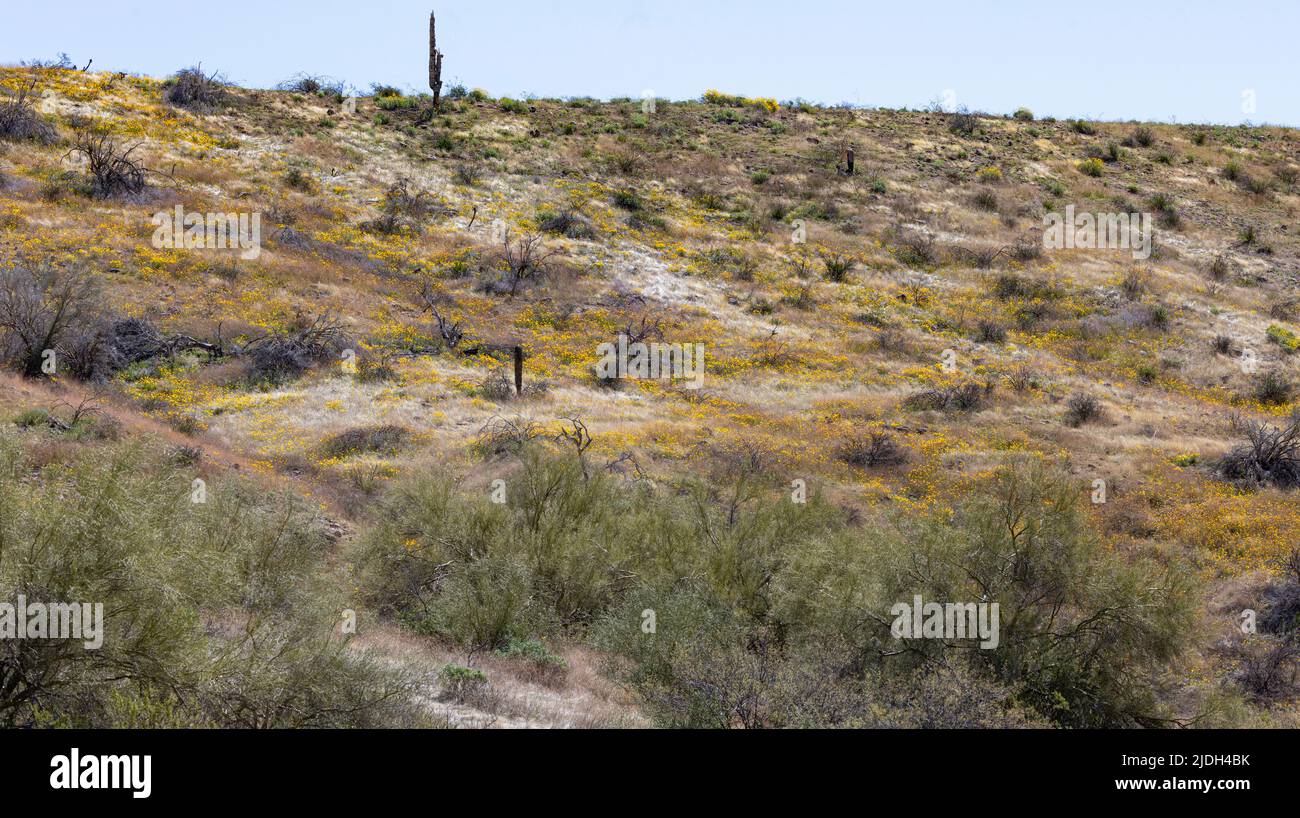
<point x="519" y="371"/>
<point x="435" y="62"/>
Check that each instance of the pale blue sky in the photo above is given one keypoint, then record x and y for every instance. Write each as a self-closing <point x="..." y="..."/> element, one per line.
<point x="1189" y="60"/>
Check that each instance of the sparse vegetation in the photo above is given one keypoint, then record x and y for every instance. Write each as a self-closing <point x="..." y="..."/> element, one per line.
<point x="904" y="384"/>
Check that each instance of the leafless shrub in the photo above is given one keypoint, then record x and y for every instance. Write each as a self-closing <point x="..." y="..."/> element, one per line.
<point x="1282" y="616"/>
<point x="526" y="259"/>
<point x="503" y="436"/>
<point x="450" y="333"/>
<point x="966" y="397"/>
<point x="575" y="434"/>
<point x="37" y="311"/>
<point x="193" y="90"/>
<point x="298" y="179"/>
<point x="981" y="257"/>
<point x="963" y="123"/>
<point x="1270" y="454"/>
<point x="1011" y="287"/>
<point x="568" y="224"/>
<point x="468" y="173"/>
<point x="1272" y="675"/>
<point x="893" y="340"/>
<point x="645" y="329"/>
<point x="915" y="248"/>
<point x="94" y="351"/>
<point x="874" y="450"/>
<point x="289" y="237"/>
<point x="185" y="455"/>
<point x="1222" y="345"/>
<point x="314" y="84"/>
<point x="497" y="386"/>
<point x="19" y="120"/>
<point x="1027" y="249"/>
<point x="112" y="170"/>
<point x="723" y="260"/>
<point x="405" y="208"/>
<point x="1284" y="310"/>
<point x="1142" y="137"/>
<point x="1023" y="379"/>
<point x="1220" y="268"/>
<point x="1083" y="408"/>
<point x="276" y="358"/>
<point x="62" y="63"/>
<point x="386" y="439"/>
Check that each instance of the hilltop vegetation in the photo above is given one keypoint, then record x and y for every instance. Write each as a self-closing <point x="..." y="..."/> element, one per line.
<point x="905" y="392"/>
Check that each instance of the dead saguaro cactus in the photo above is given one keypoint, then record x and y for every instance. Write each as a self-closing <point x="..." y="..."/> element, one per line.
<point x="435" y="62"/>
<point x="849" y="157"/>
<point x="519" y="370"/>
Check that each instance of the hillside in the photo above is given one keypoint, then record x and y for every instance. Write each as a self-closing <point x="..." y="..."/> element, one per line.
<point x="897" y="341"/>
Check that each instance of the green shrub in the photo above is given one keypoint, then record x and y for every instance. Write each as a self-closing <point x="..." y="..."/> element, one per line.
<point x="627" y="200"/>
<point x="1283" y="337"/>
<point x="1085" y="623"/>
<point x="397" y="103"/>
<point x="1166" y="212"/>
<point x="118" y="524"/>
<point x="733" y="606"/>
<point x="462" y="684"/>
<point x="32" y="418"/>
<point x="1273" y="389"/>
<point x="1091" y="167"/>
<point x="531" y="650"/>
<point x="985" y="200"/>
